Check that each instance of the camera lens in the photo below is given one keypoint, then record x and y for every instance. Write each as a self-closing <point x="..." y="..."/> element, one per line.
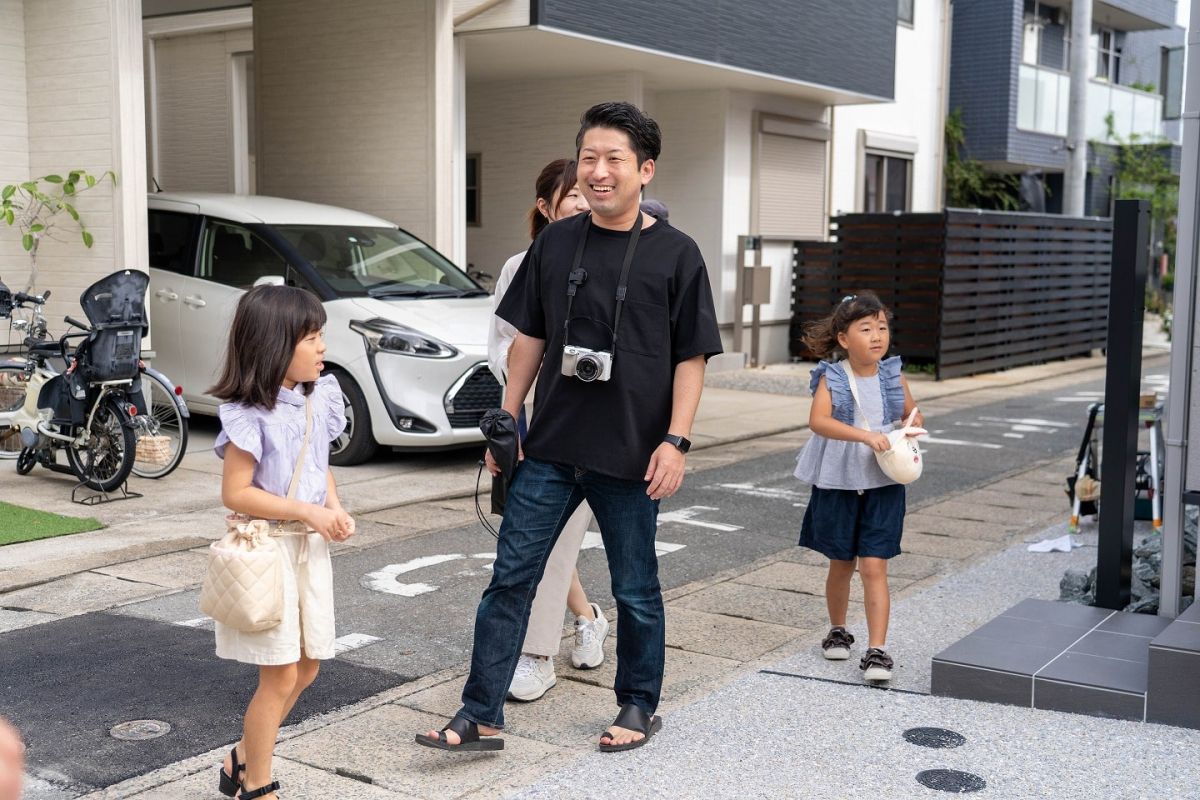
<point x="587" y="368"/>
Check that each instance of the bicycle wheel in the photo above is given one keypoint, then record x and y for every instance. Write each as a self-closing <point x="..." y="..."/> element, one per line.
<point x="158" y="416"/>
<point x="12" y="397"/>
<point x="106" y="459"/>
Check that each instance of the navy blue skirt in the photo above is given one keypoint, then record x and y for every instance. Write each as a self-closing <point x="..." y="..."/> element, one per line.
<point x="842" y="524"/>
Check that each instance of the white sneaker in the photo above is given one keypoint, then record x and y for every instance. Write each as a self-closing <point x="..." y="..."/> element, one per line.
<point x="589" y="640"/>
<point x="533" y="678"/>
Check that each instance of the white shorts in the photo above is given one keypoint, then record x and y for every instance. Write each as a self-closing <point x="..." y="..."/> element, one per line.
<point x="307" y="612"/>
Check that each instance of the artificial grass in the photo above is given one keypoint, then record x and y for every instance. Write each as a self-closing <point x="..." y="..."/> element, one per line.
<point x="19" y="524"/>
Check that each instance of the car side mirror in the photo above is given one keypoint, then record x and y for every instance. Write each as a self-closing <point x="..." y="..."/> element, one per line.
<point x="270" y="280"/>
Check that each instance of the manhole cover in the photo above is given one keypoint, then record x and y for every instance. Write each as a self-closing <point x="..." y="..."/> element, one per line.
<point x="938" y="738"/>
<point x="951" y="780"/>
<point x="139" y="730"/>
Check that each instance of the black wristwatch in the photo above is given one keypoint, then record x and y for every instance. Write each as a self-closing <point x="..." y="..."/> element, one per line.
<point x="683" y="444"/>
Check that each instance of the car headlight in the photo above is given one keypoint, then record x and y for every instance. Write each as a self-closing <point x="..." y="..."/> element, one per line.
<point x="392" y="337"/>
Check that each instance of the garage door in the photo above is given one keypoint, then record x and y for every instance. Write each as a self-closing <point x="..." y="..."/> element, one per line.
<point x="791" y="186"/>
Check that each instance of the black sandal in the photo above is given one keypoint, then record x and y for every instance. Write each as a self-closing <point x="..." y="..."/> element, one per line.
<point x="265" y="790"/>
<point x="468" y="738"/>
<point x="231" y="783"/>
<point x="632" y="718"/>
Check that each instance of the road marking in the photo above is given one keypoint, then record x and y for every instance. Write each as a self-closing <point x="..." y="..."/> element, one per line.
<point x="1013" y="435"/>
<point x="960" y="443"/>
<point x="760" y="491"/>
<point x="593" y="541"/>
<point x="198" y="622"/>
<point x="1028" y="421"/>
<point x="686" y="516"/>
<point x="384" y="580"/>
<point x="353" y="641"/>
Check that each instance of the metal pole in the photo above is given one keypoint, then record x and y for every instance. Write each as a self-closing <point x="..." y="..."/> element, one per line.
<point x="1075" y="176"/>
<point x="739" y="293"/>
<point x="1122" y="382"/>
<point x="1178" y="423"/>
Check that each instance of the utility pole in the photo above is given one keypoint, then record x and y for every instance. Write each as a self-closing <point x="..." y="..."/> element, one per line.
<point x="1075" y="177"/>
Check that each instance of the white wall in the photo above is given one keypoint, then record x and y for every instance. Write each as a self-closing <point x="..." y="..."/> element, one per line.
<point x="916" y="114"/>
<point x="518" y="127"/>
<point x="739" y="187"/>
<point x="195" y="128"/>
<point x="508" y="14"/>
<point x="689" y="175"/>
<point x="14" y="133"/>
<point x="82" y="88"/>
<point x="346" y="106"/>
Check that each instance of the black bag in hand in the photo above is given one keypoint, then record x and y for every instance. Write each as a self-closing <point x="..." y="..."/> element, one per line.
<point x="503" y="442"/>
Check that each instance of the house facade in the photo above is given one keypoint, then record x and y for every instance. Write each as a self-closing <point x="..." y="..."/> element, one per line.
<point x="1009" y="78"/>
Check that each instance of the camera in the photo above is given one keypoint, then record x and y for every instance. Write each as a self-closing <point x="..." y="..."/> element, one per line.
<point x="587" y="365"/>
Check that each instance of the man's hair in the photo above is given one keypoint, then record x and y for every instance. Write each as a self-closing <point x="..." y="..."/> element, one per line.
<point x="643" y="132"/>
<point x="268" y="324"/>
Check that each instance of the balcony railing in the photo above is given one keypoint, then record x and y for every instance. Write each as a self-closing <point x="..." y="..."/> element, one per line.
<point x="1042" y="100"/>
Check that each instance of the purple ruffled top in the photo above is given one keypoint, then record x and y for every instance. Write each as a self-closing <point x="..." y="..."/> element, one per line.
<point x="274" y="438"/>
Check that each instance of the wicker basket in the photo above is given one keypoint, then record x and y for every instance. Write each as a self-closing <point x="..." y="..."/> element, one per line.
<point x="154" y="450"/>
<point x="1088" y="489"/>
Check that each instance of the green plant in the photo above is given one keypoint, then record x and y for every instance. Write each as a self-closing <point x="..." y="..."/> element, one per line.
<point x="1142" y="171"/>
<point x="37" y="212"/>
<point x="1144" y="87"/>
<point x="968" y="182"/>
<point x="1168" y="282"/>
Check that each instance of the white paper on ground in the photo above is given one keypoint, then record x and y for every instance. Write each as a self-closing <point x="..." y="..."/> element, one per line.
<point x="1062" y="544"/>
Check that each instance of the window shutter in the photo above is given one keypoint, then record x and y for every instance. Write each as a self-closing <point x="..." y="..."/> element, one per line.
<point x="791" y="187"/>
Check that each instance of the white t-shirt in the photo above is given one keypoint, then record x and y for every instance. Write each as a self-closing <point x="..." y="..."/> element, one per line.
<point x="501" y="334"/>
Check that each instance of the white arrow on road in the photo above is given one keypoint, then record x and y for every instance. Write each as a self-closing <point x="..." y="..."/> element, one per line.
<point x="593" y="541"/>
<point x="762" y="491"/>
<point x="384" y="580"/>
<point x="686" y="516"/>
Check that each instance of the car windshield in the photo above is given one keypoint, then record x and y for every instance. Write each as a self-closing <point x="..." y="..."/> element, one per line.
<point x="377" y="262"/>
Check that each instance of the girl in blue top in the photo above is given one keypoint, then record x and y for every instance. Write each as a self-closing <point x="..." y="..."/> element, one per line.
<point x="856" y="513"/>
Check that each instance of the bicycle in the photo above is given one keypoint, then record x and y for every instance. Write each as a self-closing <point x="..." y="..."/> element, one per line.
<point x="160" y="429"/>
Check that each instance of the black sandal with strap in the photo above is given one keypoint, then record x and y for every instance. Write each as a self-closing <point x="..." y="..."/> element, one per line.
<point x="260" y="792"/>
<point x="230" y="783"/>
<point x="632" y="718"/>
<point x="469" y="739"/>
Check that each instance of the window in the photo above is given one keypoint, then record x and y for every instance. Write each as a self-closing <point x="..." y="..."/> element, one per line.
<point x="473" y="169"/>
<point x="886" y="183"/>
<point x="904" y="11"/>
<point x="1105" y="55"/>
<point x="1045" y="39"/>
<point x="236" y="257"/>
<point x="1171" y="82"/>
<point x="172" y="239"/>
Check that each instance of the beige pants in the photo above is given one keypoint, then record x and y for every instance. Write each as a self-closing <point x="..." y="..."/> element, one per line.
<point x="545" y="630"/>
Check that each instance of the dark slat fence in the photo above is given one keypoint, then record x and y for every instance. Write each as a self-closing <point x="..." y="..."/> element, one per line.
<point x="971" y="291"/>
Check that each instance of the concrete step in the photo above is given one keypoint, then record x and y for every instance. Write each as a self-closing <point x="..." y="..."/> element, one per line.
<point x="1173" y="692"/>
<point x="1061" y="657"/>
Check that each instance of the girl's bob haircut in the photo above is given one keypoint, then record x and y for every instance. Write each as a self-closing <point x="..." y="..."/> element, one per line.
<point x="821" y="337"/>
<point x="268" y="324"/>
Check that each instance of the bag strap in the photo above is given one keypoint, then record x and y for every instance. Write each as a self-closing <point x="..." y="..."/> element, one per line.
<point x="303" y="449"/>
<point x="854" y="391"/>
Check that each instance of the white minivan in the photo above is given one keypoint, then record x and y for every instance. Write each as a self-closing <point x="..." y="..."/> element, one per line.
<point x="407" y="330"/>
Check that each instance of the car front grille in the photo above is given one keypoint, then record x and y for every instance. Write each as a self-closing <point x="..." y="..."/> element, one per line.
<point x="477" y="394"/>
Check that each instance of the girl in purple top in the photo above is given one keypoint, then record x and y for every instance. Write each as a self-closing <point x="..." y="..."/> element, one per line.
<point x="272" y="370"/>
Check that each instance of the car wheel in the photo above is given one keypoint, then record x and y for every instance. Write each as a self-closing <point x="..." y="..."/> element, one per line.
<point x="356" y="444"/>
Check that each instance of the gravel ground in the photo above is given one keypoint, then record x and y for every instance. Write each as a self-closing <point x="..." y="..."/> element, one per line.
<point x="774" y="736"/>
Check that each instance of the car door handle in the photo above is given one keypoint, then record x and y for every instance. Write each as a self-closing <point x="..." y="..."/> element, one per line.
<point x="166" y="294"/>
<point x="194" y="302"/>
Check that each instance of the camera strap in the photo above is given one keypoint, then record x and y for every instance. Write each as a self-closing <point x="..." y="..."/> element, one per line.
<point x="578" y="276"/>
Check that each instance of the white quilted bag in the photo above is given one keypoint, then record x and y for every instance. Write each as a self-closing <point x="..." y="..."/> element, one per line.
<point x="243" y="586"/>
<point x="902" y="462"/>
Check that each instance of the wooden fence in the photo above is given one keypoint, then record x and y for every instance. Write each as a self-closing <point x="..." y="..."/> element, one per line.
<point x="970" y="291"/>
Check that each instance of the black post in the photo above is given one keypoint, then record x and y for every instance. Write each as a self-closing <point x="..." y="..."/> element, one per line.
<point x="1122" y="382"/>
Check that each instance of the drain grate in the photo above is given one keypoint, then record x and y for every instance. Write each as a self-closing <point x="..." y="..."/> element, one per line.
<point x="937" y="738"/>
<point x="951" y="780"/>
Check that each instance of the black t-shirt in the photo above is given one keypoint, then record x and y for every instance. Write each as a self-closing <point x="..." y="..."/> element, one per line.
<point x="611" y="427"/>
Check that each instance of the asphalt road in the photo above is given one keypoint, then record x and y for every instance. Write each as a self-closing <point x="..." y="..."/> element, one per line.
<point x="411" y="603"/>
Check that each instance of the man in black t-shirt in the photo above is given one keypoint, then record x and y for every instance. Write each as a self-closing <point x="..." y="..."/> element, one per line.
<point x="616" y="322"/>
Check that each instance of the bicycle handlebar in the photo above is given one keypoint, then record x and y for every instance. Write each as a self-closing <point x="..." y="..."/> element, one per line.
<point x="21" y="297"/>
<point x="77" y="323"/>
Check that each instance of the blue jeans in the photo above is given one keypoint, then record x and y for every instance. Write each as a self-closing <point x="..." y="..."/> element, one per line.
<point x="540" y="500"/>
